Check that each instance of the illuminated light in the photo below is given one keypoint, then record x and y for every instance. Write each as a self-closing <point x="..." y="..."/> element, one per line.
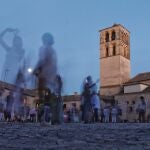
<point x="30" y="70"/>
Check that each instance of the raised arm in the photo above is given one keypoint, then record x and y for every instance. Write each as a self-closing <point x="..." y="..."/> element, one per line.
<point x="2" y="42"/>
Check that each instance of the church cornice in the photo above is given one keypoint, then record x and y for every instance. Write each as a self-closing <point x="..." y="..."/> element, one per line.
<point x="115" y="25"/>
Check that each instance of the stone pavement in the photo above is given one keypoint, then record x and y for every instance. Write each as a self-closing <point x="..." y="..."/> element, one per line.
<point x="28" y="136"/>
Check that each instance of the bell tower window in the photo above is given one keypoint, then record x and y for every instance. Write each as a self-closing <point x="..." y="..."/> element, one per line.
<point x="107" y="37"/>
<point x="114" y="50"/>
<point x="113" y="37"/>
<point x="107" y="52"/>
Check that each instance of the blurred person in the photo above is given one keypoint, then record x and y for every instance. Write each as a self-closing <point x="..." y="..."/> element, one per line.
<point x="26" y="113"/>
<point x="2" y="105"/>
<point x="102" y="115"/>
<point x="14" y="55"/>
<point x="106" y="112"/>
<point x="74" y="113"/>
<point x="87" y="103"/>
<point x="142" y="109"/>
<point x="91" y="84"/>
<point x="95" y="100"/>
<point x="88" y="88"/>
<point x="82" y="107"/>
<point x="46" y="67"/>
<point x="9" y="104"/>
<point x="32" y="114"/>
<point x="114" y="113"/>
<point x="59" y="100"/>
<point x="47" y="113"/>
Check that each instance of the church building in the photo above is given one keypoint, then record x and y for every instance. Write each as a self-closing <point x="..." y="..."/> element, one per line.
<point x="116" y="85"/>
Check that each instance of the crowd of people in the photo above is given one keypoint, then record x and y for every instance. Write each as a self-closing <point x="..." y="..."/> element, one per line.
<point x="49" y="111"/>
<point x="8" y="111"/>
<point x="96" y="114"/>
<point x="89" y="112"/>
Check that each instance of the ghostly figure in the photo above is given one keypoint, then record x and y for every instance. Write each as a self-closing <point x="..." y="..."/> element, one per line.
<point x="9" y="104"/>
<point x="46" y="68"/>
<point x="14" y="55"/>
<point x="88" y="88"/>
<point x="58" y="85"/>
<point x="18" y="105"/>
<point x="59" y="106"/>
<point x="91" y="84"/>
<point x="49" y="82"/>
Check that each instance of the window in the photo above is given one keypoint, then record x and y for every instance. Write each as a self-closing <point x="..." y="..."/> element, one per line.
<point x="107" y="52"/>
<point x="113" y="37"/>
<point x="122" y="52"/>
<point x="126" y="53"/>
<point x="107" y="37"/>
<point x="114" y="50"/>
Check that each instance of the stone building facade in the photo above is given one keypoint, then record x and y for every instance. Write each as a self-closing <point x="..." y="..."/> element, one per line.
<point x="70" y="100"/>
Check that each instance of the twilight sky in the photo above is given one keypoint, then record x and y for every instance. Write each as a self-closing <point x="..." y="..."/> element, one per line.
<point x="75" y="25"/>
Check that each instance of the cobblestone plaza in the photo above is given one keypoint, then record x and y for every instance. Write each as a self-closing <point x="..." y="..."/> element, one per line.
<point x="27" y="136"/>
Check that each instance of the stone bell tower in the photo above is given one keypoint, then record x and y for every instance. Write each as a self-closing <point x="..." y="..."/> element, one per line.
<point x="114" y="59"/>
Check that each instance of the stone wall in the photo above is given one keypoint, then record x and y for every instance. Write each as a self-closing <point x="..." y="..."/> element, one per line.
<point x="109" y="91"/>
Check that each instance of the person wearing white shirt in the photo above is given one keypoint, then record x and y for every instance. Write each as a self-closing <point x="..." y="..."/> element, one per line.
<point x="114" y="112"/>
<point x="106" y="112"/>
<point x="95" y="101"/>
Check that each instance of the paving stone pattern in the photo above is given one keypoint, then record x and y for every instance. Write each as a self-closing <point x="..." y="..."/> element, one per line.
<point x="30" y="136"/>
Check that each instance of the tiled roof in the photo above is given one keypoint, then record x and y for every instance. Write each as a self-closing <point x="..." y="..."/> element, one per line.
<point x="139" y="78"/>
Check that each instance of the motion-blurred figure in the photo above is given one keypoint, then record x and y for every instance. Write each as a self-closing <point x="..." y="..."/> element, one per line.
<point x="95" y="100"/>
<point x="88" y="88"/>
<point x="2" y="105"/>
<point x="9" y="104"/>
<point x="142" y="109"/>
<point x="46" y="68"/>
<point x="14" y="55"/>
<point x="106" y="114"/>
<point x="49" y="83"/>
<point x="18" y="105"/>
<point x="33" y="114"/>
<point x="114" y="113"/>
<point x="59" y="101"/>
